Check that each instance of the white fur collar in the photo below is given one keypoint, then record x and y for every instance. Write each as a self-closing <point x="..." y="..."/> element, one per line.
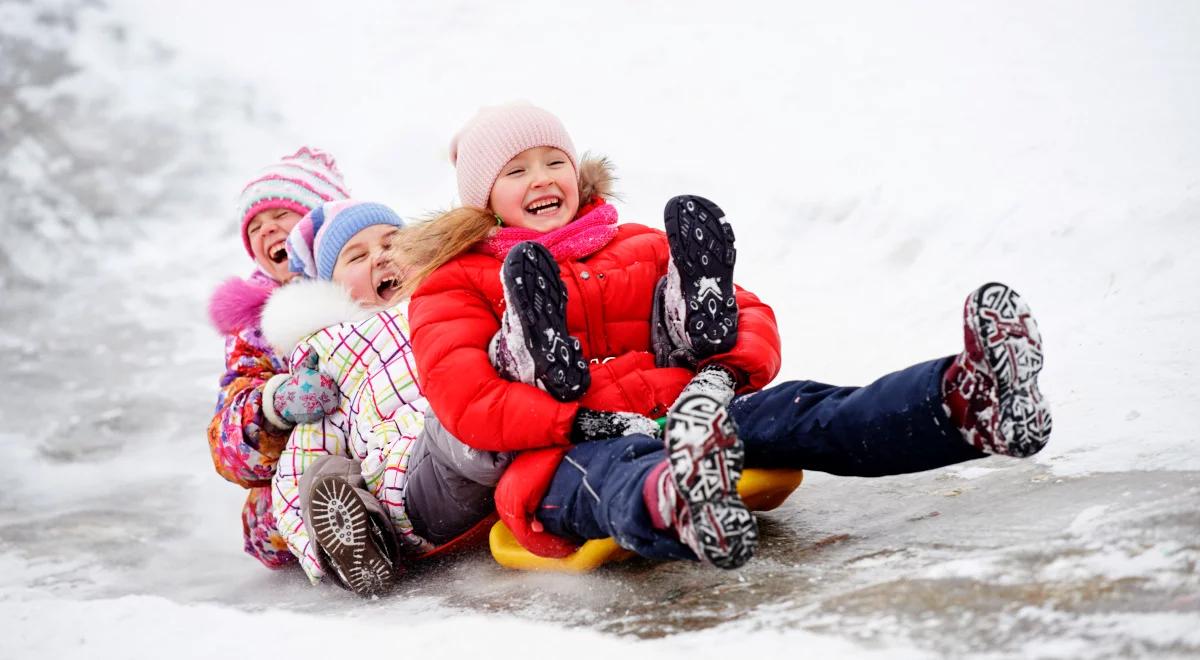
<point x="297" y="310"/>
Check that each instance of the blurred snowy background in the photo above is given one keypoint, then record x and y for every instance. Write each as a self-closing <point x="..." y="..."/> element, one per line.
<point x="878" y="159"/>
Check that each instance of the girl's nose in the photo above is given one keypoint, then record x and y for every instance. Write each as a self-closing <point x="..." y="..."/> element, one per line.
<point x="541" y="178"/>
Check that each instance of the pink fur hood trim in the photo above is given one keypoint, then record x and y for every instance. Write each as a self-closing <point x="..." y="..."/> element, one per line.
<point x="237" y="303"/>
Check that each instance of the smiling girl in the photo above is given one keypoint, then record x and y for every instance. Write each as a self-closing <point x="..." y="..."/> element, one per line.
<point x="535" y="253"/>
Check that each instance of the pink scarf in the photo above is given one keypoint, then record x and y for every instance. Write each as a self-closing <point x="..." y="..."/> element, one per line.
<point x="580" y="238"/>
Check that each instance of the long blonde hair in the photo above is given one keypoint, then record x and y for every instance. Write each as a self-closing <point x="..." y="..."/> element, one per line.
<point x="441" y="237"/>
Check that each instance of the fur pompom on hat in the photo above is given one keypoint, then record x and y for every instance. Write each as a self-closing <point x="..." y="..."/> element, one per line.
<point x="493" y="136"/>
<point x="315" y="242"/>
<point x="300" y="182"/>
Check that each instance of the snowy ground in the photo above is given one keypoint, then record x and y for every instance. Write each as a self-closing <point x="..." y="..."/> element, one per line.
<point x="879" y="161"/>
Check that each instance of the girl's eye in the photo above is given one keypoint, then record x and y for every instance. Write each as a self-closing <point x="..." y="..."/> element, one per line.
<point x="516" y="171"/>
<point x="555" y="163"/>
<point x="253" y="228"/>
<point x="355" y="257"/>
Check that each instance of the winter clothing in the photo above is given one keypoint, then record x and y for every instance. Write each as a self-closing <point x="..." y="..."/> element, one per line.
<point x="991" y="390"/>
<point x="533" y="345"/>
<point x="450" y="485"/>
<point x="379" y="415"/>
<point x="299" y="182"/>
<point x="456" y="312"/>
<point x="355" y="541"/>
<point x="316" y="241"/>
<point x="301" y="397"/>
<point x="379" y="423"/>
<point x="591" y="425"/>
<point x="491" y="139"/>
<point x="593" y="230"/>
<point x="895" y="425"/>
<point x="698" y="301"/>
<point x="244" y="445"/>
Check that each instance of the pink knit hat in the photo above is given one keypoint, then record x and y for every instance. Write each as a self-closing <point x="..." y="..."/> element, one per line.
<point x="300" y="182"/>
<point x="493" y="137"/>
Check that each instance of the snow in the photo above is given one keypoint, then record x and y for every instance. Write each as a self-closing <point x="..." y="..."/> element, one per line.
<point x="878" y="160"/>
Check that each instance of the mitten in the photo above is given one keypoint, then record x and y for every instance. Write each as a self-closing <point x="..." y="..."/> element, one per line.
<point x="598" y="424"/>
<point x="301" y="397"/>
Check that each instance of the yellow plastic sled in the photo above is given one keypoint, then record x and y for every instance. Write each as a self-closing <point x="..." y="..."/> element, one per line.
<point x="761" y="490"/>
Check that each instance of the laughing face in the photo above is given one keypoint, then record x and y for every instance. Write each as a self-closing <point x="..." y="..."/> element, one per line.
<point x="267" y="232"/>
<point x="538" y="189"/>
<point x="371" y="267"/>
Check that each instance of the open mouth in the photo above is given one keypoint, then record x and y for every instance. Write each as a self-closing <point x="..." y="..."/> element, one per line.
<point x="387" y="288"/>
<point x="277" y="253"/>
<point x="544" y="206"/>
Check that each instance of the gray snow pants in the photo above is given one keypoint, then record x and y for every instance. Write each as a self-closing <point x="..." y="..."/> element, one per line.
<point x="450" y="485"/>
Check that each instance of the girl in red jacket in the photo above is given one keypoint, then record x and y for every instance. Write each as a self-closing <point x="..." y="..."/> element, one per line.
<point x="620" y="323"/>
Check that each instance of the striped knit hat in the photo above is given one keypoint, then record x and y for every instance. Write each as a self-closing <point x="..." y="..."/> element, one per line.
<point x="300" y="183"/>
<point x="316" y="241"/>
<point x="493" y="137"/>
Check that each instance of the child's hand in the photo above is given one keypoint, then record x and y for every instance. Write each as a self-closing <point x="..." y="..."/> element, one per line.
<point x="598" y="425"/>
<point x="306" y="395"/>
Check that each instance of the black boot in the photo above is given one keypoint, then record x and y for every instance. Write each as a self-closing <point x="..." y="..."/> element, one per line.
<point x="698" y="299"/>
<point x="533" y="345"/>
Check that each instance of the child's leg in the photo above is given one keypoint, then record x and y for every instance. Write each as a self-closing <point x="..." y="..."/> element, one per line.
<point x="695" y="309"/>
<point x="450" y="486"/>
<point x="659" y="504"/>
<point x="926" y="416"/>
<point x="895" y="425"/>
<point x="263" y="540"/>
<point x="533" y="345"/>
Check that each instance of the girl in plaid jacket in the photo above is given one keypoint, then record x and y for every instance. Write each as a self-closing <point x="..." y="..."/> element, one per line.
<point x="373" y="481"/>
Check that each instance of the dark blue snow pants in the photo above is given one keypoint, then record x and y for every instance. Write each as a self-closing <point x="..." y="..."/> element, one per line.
<point x="895" y="425"/>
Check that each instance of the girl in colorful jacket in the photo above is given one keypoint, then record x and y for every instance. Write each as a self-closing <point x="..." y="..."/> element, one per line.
<point x="247" y="431"/>
<point x="662" y="329"/>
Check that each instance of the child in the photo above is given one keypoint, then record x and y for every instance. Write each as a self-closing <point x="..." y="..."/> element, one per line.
<point x="247" y="431"/>
<point x="654" y="324"/>
<point x="376" y="480"/>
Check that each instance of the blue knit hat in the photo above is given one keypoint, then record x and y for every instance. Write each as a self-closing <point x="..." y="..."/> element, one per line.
<point x="316" y="241"/>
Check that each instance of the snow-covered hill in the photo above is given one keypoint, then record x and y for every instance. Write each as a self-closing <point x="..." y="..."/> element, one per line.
<point x="879" y="160"/>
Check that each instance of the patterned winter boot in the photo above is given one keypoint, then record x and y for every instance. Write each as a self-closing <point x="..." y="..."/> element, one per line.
<point x="698" y="297"/>
<point x="353" y="535"/>
<point x="990" y="391"/>
<point x="697" y="493"/>
<point x="533" y="345"/>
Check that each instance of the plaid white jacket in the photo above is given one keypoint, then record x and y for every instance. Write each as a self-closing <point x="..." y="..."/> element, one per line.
<point x="379" y="418"/>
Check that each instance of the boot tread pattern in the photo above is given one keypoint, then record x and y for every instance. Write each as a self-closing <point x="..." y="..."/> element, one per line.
<point x="340" y="521"/>
<point x="1007" y="334"/>
<point x="706" y="460"/>
<point x="537" y="291"/>
<point x="702" y="250"/>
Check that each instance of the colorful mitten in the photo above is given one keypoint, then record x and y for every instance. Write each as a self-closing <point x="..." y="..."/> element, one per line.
<point x="301" y="397"/>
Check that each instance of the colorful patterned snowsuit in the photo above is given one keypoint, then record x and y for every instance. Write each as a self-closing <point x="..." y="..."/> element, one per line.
<point x="244" y="446"/>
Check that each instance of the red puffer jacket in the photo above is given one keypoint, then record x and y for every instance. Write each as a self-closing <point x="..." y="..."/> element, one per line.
<point x="457" y="310"/>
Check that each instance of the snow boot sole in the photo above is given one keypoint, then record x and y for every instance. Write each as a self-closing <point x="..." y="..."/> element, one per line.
<point x="703" y="255"/>
<point x="534" y="289"/>
<point x="706" y="460"/>
<point x="355" y="547"/>
<point x="1002" y="338"/>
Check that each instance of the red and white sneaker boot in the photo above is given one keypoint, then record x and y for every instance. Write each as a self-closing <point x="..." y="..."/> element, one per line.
<point x="990" y="390"/>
